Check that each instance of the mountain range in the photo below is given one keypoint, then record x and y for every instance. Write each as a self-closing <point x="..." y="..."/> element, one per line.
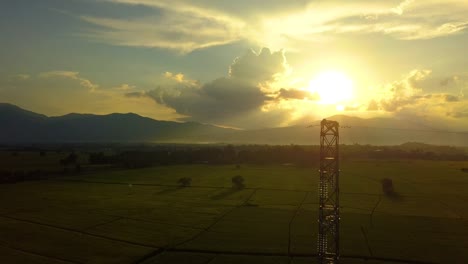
<point x="19" y="126"/>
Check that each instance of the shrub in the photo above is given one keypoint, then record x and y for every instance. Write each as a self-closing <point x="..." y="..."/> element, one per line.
<point x="185" y="182"/>
<point x="238" y="182"/>
<point x="387" y="186"/>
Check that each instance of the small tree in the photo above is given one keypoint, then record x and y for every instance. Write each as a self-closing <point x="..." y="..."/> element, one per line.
<point x="70" y="159"/>
<point x="185" y="182"/>
<point x="238" y="182"/>
<point x="387" y="187"/>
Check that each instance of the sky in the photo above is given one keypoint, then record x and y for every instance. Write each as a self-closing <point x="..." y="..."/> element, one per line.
<point x="241" y="64"/>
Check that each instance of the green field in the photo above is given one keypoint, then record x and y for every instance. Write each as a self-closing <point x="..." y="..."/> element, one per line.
<point x="132" y="216"/>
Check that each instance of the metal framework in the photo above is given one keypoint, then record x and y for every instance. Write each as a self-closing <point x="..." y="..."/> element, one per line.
<point x="329" y="206"/>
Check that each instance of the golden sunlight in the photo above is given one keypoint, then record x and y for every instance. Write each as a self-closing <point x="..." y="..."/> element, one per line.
<point x="332" y="87"/>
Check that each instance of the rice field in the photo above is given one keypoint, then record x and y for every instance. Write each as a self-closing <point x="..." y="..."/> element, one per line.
<point x="143" y="216"/>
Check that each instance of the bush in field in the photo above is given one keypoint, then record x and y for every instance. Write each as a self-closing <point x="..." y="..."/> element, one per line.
<point x="70" y="159"/>
<point x="238" y="182"/>
<point x="78" y="168"/>
<point x="185" y="182"/>
<point x="387" y="187"/>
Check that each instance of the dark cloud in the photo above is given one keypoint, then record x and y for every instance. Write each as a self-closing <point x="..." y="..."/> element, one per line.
<point x="297" y="94"/>
<point x="135" y="94"/>
<point x="215" y="101"/>
<point x="227" y="100"/>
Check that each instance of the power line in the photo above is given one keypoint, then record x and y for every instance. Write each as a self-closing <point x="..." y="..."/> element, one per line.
<point x="402" y="129"/>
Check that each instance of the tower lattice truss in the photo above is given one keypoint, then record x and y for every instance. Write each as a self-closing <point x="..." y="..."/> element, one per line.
<point x="329" y="207"/>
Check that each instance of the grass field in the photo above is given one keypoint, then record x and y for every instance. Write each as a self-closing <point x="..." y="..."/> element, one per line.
<point x="142" y="216"/>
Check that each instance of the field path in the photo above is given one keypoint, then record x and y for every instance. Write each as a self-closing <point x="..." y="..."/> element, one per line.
<point x="292" y="220"/>
<point x="216" y="221"/>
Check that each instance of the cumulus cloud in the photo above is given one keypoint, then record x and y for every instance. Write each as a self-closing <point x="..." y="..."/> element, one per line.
<point x="233" y="100"/>
<point x="403" y="92"/>
<point x="263" y="67"/>
<point x="411" y="98"/>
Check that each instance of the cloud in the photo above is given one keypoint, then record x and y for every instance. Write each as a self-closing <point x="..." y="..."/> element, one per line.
<point x="125" y="87"/>
<point x="215" y="101"/>
<point x="325" y="22"/>
<point x="401" y="7"/>
<point x="70" y="75"/>
<point x="175" y="25"/>
<point x="135" y="94"/>
<point x="451" y="98"/>
<point x="22" y="77"/>
<point x="410" y="91"/>
<point x="458" y="114"/>
<point x="413" y="98"/>
<point x="297" y="94"/>
<point x="184" y="26"/>
<point x="456" y="82"/>
<point x="233" y="100"/>
<point x="403" y="92"/>
<point x="263" y="67"/>
<point x="373" y="105"/>
<point x="63" y="92"/>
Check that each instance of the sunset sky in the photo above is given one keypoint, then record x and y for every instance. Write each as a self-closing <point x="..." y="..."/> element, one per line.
<point x="244" y="64"/>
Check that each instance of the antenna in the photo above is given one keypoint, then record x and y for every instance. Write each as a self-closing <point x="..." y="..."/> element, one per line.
<point x="329" y="203"/>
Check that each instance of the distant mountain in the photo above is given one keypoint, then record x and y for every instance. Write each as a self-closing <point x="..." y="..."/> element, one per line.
<point x="354" y="130"/>
<point x="22" y="126"/>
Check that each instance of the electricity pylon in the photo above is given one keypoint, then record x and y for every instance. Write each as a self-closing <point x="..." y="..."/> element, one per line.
<point x="329" y="203"/>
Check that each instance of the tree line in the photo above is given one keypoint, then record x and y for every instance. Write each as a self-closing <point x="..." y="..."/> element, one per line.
<point x="267" y="154"/>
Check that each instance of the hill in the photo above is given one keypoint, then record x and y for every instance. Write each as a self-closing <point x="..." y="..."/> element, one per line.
<point x="22" y="126"/>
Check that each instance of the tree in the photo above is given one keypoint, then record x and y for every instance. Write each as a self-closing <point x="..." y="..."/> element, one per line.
<point x="387" y="187"/>
<point x="70" y="159"/>
<point x="238" y="182"/>
<point x="185" y="182"/>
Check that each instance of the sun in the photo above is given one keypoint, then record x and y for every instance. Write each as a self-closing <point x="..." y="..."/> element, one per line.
<point x="332" y="87"/>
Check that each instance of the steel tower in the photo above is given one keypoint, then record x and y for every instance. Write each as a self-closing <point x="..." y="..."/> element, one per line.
<point x="329" y="205"/>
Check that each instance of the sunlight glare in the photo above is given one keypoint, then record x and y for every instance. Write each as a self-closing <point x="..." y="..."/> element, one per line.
<point x="332" y="87"/>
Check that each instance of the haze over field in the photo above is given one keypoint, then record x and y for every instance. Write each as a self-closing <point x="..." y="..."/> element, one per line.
<point x="248" y="65"/>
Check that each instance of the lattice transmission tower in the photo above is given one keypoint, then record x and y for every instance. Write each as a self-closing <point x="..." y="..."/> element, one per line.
<point x="329" y="203"/>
